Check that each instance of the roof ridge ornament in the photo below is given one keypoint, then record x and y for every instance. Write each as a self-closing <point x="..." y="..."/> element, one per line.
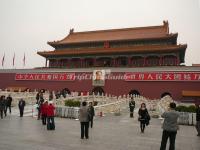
<point x="71" y="31"/>
<point x="166" y="25"/>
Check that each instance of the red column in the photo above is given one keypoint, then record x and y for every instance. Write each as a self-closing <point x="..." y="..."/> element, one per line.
<point x="144" y="64"/>
<point x="113" y="62"/>
<point x="177" y="61"/>
<point x="56" y="63"/>
<point x="83" y="62"/>
<point x="161" y="61"/>
<point x="116" y="62"/>
<point x="68" y="63"/>
<point x="81" y="59"/>
<point x="129" y="61"/>
<point x="59" y="63"/>
<point x="94" y="62"/>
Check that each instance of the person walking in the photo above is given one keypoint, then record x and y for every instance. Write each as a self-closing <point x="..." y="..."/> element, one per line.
<point x="143" y="117"/>
<point x="4" y="105"/>
<point x="91" y="113"/>
<point x="170" y="127"/>
<point x="1" y="106"/>
<point x="132" y="107"/>
<point x="44" y="107"/>
<point x="50" y="116"/>
<point x="39" y="102"/>
<point x="21" y="106"/>
<point x="84" y="120"/>
<point x="9" y="102"/>
<point x="198" y="119"/>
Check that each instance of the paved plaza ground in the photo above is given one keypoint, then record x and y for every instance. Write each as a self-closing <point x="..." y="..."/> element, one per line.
<point x="109" y="133"/>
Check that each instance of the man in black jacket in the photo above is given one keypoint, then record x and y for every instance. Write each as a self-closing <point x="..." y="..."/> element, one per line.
<point x="5" y="105"/>
<point x="21" y="106"/>
<point x="91" y="114"/>
<point x="132" y="107"/>
<point x="9" y="101"/>
<point x="198" y="119"/>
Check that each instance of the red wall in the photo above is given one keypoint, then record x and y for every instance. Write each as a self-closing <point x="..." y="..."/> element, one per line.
<point x="150" y="89"/>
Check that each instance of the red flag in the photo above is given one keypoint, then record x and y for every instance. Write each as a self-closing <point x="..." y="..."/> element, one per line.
<point x="24" y="60"/>
<point x="3" y="59"/>
<point x="14" y="60"/>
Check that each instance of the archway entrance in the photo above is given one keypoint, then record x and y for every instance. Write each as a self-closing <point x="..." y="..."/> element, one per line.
<point x="65" y="92"/>
<point x="97" y="90"/>
<point x="134" y="92"/>
<point x="165" y="94"/>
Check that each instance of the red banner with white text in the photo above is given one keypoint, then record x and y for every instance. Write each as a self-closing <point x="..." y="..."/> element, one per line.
<point x="45" y="76"/>
<point x="162" y="76"/>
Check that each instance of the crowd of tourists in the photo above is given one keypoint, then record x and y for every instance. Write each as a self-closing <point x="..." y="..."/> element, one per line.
<point x="46" y="113"/>
<point x="170" y="124"/>
<point x="46" y="110"/>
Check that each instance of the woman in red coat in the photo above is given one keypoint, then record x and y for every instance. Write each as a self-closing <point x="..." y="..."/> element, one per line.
<point x="50" y="116"/>
<point x="43" y="108"/>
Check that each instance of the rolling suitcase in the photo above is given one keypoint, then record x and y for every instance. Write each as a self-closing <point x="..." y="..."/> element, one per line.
<point x="50" y="126"/>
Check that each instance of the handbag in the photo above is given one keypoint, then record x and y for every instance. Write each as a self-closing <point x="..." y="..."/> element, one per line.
<point x="89" y="117"/>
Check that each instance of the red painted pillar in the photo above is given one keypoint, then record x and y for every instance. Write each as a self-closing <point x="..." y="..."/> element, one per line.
<point x="161" y="61"/>
<point x="81" y="65"/>
<point x="65" y="63"/>
<point x="177" y="61"/>
<point x="83" y="62"/>
<point x="116" y="62"/>
<point x="112" y="62"/>
<point x="144" y="64"/>
<point x="129" y="62"/>
<point x="61" y="63"/>
<point x="57" y="63"/>
<point x="94" y="62"/>
<point x="68" y="63"/>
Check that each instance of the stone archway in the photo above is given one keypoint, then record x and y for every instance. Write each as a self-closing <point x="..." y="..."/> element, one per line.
<point x="97" y="90"/>
<point x="65" y="92"/>
<point x="165" y="94"/>
<point x="134" y="92"/>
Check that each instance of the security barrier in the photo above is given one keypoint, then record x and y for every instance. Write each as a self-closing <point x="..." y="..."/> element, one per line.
<point x="67" y="112"/>
<point x="187" y="118"/>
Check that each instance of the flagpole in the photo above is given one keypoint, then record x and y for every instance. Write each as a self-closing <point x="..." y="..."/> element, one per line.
<point x="14" y="61"/>
<point x="3" y="59"/>
<point x="24" y="59"/>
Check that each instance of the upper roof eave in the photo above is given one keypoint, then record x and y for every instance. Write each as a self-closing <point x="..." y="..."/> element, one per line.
<point x="172" y="35"/>
<point x="136" y="33"/>
<point x="137" y="49"/>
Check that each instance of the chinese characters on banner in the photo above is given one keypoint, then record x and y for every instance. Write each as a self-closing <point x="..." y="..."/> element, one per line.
<point x="162" y="76"/>
<point x="45" y="76"/>
<point x="99" y="76"/>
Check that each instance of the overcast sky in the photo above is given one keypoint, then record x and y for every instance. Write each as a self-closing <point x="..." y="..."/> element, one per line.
<point x="27" y="25"/>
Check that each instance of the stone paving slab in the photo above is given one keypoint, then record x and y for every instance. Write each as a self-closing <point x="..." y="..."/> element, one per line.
<point x="109" y="133"/>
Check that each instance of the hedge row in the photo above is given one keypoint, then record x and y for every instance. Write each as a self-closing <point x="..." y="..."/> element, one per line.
<point x="190" y="108"/>
<point x="72" y="103"/>
<point x="75" y="103"/>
